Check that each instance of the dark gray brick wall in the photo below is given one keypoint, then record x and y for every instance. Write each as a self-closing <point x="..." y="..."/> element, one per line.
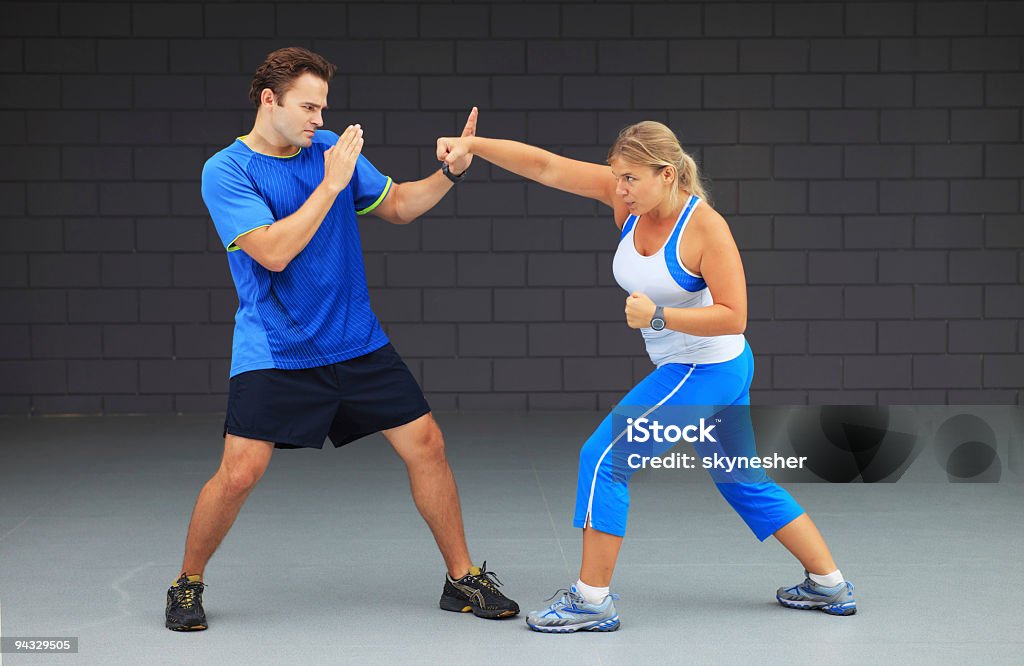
<point x="868" y="156"/>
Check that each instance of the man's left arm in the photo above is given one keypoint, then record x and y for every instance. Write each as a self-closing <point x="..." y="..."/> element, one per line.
<point x="407" y="201"/>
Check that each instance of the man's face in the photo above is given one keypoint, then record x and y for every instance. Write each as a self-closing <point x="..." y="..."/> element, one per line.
<point x="299" y="111"/>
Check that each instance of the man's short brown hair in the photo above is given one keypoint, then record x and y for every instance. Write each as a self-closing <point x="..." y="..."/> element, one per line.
<point x="283" y="66"/>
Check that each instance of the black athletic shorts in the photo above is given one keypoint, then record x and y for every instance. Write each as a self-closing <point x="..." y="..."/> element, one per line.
<point x="343" y="401"/>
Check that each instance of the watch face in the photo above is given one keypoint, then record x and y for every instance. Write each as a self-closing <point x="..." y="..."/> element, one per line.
<point x="657" y="324"/>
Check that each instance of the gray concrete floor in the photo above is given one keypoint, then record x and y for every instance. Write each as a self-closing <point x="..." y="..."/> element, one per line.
<point x="329" y="562"/>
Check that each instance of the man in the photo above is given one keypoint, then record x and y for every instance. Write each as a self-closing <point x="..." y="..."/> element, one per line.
<point x="309" y="358"/>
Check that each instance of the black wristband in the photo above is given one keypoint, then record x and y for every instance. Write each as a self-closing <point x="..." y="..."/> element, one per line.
<point x="451" y="176"/>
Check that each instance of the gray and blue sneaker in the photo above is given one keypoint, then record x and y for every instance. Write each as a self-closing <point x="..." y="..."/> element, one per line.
<point x="808" y="595"/>
<point x="572" y="613"/>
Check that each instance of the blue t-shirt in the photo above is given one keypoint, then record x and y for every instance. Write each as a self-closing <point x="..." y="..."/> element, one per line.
<point x="317" y="310"/>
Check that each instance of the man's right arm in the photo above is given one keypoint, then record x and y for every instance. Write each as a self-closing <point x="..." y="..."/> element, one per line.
<point x="274" y="246"/>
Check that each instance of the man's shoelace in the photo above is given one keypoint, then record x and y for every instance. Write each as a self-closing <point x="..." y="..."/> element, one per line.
<point x="185" y="595"/>
<point x="488" y="578"/>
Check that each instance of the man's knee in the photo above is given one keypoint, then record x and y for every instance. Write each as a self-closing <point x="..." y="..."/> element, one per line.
<point x="428" y="446"/>
<point x="241" y="479"/>
<point x="243" y="465"/>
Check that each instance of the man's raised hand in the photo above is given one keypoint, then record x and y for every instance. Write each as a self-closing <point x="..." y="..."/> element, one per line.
<point x="455" y="152"/>
<point x="340" y="159"/>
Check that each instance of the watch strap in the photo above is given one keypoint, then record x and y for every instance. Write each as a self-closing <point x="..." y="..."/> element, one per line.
<point x="455" y="178"/>
<point x="659" y="313"/>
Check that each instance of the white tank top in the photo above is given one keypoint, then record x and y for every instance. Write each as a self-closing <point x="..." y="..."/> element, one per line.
<point x="667" y="282"/>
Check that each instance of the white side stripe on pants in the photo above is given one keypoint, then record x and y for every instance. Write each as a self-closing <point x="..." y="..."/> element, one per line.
<point x="593" y="484"/>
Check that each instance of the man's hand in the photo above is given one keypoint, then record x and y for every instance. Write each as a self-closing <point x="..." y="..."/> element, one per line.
<point x="340" y="159"/>
<point x="456" y="151"/>
<point x="459" y="166"/>
<point x="639" y="310"/>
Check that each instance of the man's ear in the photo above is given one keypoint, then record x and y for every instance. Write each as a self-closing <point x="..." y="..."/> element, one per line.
<point x="267" y="96"/>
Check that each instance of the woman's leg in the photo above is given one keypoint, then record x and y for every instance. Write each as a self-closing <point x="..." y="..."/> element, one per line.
<point x="824" y="589"/>
<point x="600" y="550"/>
<point x="602" y="497"/>
<point x="802" y="538"/>
<point x="765" y="506"/>
<point x="769" y="510"/>
<point x="602" y="505"/>
<point x="673" y="392"/>
<point x="762" y="504"/>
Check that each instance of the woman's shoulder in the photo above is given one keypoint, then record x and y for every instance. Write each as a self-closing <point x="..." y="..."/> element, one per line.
<point x="705" y="219"/>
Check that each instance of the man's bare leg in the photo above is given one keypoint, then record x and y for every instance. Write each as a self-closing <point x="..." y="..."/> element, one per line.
<point x="222" y="497"/>
<point x="420" y="445"/>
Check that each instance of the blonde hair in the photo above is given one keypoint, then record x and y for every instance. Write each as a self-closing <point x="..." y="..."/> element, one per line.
<point x="650" y="143"/>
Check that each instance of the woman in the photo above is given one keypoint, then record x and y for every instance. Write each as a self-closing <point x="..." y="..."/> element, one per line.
<point x="680" y="266"/>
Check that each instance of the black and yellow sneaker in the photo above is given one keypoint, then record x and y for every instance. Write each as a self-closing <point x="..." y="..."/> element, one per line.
<point x="477" y="592"/>
<point x="185" y="604"/>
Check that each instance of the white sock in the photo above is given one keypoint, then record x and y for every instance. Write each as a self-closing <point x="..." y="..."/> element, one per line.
<point x="591" y="594"/>
<point x="828" y="580"/>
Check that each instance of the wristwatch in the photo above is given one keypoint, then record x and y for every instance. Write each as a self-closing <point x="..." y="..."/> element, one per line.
<point x="658" y="320"/>
<point x="455" y="178"/>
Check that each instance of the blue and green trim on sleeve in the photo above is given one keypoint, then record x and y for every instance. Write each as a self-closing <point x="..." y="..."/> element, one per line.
<point x="384" y="193"/>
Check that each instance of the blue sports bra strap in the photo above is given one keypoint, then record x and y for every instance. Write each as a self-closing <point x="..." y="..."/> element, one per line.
<point x="678" y="272"/>
<point x="627" y="226"/>
<point x="677" y="232"/>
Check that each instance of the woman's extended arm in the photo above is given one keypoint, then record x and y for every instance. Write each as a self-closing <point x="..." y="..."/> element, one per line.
<point x="586" y="179"/>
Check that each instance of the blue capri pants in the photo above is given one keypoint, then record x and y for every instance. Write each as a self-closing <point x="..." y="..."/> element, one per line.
<point x="698" y="390"/>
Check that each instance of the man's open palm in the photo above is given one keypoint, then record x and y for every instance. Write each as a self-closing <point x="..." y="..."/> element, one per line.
<point x="462" y="163"/>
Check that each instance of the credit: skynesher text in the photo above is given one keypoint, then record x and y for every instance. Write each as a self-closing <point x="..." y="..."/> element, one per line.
<point x="727" y="463"/>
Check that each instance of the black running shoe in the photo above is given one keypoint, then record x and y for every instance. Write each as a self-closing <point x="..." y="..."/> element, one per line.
<point x="185" y="605"/>
<point x="478" y="592"/>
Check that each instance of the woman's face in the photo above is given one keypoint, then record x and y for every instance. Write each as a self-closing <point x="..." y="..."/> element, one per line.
<point x="642" y="188"/>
